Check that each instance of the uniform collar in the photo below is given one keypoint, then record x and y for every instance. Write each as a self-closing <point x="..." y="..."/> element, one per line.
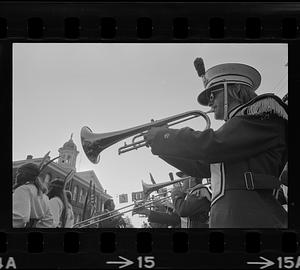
<point x="265" y="103"/>
<point x="232" y="112"/>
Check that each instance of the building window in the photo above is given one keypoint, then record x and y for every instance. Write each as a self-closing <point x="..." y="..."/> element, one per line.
<point x="101" y="204"/>
<point x="96" y="202"/>
<point x="84" y="194"/>
<point x="80" y="195"/>
<point x="74" y="193"/>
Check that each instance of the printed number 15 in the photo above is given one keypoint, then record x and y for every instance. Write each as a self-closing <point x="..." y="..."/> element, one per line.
<point x="288" y="262"/>
<point x="147" y="261"/>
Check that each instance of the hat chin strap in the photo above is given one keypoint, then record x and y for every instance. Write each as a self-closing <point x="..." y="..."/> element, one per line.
<point x="225" y="102"/>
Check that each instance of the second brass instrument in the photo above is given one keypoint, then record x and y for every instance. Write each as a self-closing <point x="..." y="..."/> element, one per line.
<point x="94" y="143"/>
<point x="147" y="190"/>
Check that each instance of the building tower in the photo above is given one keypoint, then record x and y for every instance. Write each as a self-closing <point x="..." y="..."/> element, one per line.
<point x="68" y="154"/>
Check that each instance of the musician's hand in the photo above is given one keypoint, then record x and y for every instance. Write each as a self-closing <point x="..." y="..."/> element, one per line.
<point x="176" y="191"/>
<point x="201" y="193"/>
<point x="141" y="210"/>
<point x="151" y="134"/>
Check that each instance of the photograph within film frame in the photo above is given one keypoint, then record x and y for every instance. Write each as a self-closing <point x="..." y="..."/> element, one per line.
<point x="82" y="88"/>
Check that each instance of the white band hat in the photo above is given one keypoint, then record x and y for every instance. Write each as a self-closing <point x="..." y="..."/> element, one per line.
<point x="234" y="73"/>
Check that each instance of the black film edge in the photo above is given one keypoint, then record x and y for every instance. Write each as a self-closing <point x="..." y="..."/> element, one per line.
<point x="144" y="23"/>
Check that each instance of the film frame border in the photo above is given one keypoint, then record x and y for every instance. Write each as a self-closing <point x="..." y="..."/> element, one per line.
<point x="110" y="22"/>
<point x="138" y="22"/>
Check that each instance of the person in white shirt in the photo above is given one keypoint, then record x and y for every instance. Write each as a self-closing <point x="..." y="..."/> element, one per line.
<point x="30" y="203"/>
<point x="70" y="214"/>
<point x="58" y="202"/>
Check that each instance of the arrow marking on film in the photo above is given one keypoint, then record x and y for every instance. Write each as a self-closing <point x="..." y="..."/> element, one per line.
<point x="124" y="263"/>
<point x="265" y="264"/>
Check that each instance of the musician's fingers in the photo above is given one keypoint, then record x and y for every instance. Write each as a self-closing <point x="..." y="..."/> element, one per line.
<point x="152" y="133"/>
<point x="147" y="138"/>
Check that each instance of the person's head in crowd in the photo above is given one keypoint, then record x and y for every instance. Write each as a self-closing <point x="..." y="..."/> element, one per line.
<point x="30" y="173"/>
<point x="57" y="189"/>
<point x="109" y="205"/>
<point x="27" y="173"/>
<point x="187" y="184"/>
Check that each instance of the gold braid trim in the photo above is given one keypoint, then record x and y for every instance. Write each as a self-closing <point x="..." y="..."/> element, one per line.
<point x="266" y="105"/>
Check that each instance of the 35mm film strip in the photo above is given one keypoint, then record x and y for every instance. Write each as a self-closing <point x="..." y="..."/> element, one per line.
<point x="79" y="79"/>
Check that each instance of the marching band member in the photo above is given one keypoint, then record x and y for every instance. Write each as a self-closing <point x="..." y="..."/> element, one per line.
<point x="115" y="222"/>
<point x="243" y="158"/>
<point x="162" y="215"/>
<point x="58" y="202"/>
<point x="193" y="205"/>
<point x="30" y="203"/>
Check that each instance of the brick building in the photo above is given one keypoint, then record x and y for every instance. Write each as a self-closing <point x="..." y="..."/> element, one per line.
<point x="80" y="182"/>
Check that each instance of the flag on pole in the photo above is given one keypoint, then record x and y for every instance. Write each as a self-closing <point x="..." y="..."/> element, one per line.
<point x="93" y="201"/>
<point x="69" y="179"/>
<point x="87" y="202"/>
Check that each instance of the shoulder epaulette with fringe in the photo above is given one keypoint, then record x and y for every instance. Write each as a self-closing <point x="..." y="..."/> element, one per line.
<point x="262" y="105"/>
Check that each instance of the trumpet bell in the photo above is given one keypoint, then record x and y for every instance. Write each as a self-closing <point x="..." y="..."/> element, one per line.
<point x="94" y="143"/>
<point x="90" y="149"/>
<point x="147" y="188"/>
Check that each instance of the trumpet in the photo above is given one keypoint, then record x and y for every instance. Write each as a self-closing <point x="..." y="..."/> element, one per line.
<point x="147" y="190"/>
<point x="94" y="143"/>
<point x="115" y="213"/>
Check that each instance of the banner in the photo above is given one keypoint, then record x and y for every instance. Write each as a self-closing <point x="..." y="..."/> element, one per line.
<point x="136" y="196"/>
<point x="123" y="198"/>
<point x="85" y="213"/>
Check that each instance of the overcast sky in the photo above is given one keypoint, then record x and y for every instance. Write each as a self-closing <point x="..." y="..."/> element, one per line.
<point x="59" y="88"/>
